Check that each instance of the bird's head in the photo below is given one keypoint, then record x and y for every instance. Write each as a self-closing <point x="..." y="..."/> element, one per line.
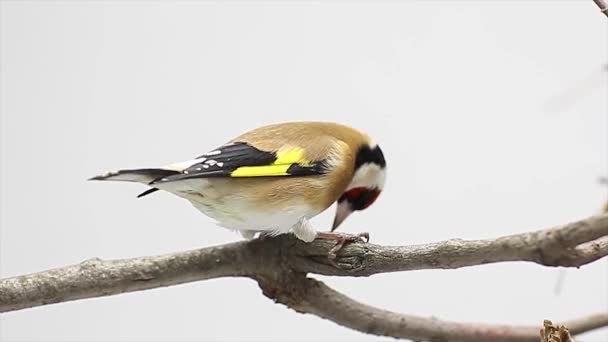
<point x="366" y="185"/>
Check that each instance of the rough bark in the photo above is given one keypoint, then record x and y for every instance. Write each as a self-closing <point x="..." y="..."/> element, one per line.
<point x="280" y="266"/>
<point x="307" y="295"/>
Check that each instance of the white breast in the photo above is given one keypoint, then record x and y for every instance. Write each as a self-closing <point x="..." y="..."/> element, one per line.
<point x="240" y="216"/>
<point x="235" y="212"/>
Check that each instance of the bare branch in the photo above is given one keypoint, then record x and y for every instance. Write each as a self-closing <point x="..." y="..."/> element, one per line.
<point x="307" y="295"/>
<point x="280" y="266"/>
<point x="602" y="5"/>
<point x="96" y="277"/>
<point x="572" y="245"/>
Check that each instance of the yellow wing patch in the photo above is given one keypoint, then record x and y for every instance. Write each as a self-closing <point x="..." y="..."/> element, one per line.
<point x="260" y="171"/>
<point x="285" y="159"/>
<point x="291" y="156"/>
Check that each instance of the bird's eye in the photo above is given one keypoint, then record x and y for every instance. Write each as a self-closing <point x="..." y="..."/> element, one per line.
<point x="360" y="198"/>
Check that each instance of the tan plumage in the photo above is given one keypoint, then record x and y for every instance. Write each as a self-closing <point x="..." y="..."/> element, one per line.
<point x="273" y="204"/>
<point x="320" y="140"/>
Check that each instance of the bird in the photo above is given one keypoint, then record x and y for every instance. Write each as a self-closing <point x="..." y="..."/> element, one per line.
<point x="273" y="179"/>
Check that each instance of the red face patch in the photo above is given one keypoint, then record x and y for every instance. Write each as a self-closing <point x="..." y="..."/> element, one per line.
<point x="355" y="193"/>
<point x="361" y="197"/>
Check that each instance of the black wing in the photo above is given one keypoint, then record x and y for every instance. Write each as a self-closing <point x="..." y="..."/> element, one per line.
<point x="223" y="161"/>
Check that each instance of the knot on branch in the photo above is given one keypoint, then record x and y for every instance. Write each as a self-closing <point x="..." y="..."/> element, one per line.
<point x="566" y="257"/>
<point x="91" y="263"/>
<point x="288" y="288"/>
<point x="552" y="333"/>
<point x="572" y="245"/>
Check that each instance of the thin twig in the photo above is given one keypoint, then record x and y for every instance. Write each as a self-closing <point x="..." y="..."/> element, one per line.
<point x="602" y="5"/>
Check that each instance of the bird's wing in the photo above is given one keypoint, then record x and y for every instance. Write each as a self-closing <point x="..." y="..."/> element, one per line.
<point x="241" y="159"/>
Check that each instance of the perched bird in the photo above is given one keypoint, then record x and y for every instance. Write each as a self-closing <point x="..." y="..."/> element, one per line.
<point x="273" y="179"/>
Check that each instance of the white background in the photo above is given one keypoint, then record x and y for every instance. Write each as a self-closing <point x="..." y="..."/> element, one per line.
<point x="492" y="117"/>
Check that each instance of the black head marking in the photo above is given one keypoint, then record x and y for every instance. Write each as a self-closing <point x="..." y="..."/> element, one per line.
<point x="368" y="155"/>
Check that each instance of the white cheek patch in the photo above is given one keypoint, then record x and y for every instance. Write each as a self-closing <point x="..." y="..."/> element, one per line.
<point x="368" y="176"/>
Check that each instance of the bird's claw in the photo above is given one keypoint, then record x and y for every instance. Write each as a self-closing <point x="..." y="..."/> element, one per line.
<point x="341" y="240"/>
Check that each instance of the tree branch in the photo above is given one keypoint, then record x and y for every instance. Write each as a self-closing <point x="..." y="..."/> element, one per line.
<point x="572" y="245"/>
<point x="96" y="277"/>
<point x="602" y="5"/>
<point x="307" y="295"/>
<point x="280" y="265"/>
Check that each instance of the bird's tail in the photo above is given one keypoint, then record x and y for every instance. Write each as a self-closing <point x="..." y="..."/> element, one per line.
<point x="144" y="176"/>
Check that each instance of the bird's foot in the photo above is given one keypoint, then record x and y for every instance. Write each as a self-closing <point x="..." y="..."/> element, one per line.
<point x="341" y="240"/>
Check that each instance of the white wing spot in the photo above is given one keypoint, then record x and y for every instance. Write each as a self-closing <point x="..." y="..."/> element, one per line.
<point x="211" y="162"/>
<point x="220" y="164"/>
<point x="206" y="166"/>
<point x="213" y="153"/>
<point x="198" y="169"/>
<point x="186" y="172"/>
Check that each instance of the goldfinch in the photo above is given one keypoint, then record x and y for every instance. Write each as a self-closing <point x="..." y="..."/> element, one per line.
<point x="274" y="179"/>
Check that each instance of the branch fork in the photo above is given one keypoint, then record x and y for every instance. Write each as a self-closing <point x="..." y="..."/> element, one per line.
<point x="280" y="266"/>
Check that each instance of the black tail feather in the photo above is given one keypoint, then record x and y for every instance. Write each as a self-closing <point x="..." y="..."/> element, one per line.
<point x="147" y="192"/>
<point x="136" y="175"/>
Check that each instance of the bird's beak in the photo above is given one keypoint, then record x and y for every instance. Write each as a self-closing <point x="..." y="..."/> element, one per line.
<point x="343" y="210"/>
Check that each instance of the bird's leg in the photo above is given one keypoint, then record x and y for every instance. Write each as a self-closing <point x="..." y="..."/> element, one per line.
<point x="304" y="231"/>
<point x="341" y="239"/>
